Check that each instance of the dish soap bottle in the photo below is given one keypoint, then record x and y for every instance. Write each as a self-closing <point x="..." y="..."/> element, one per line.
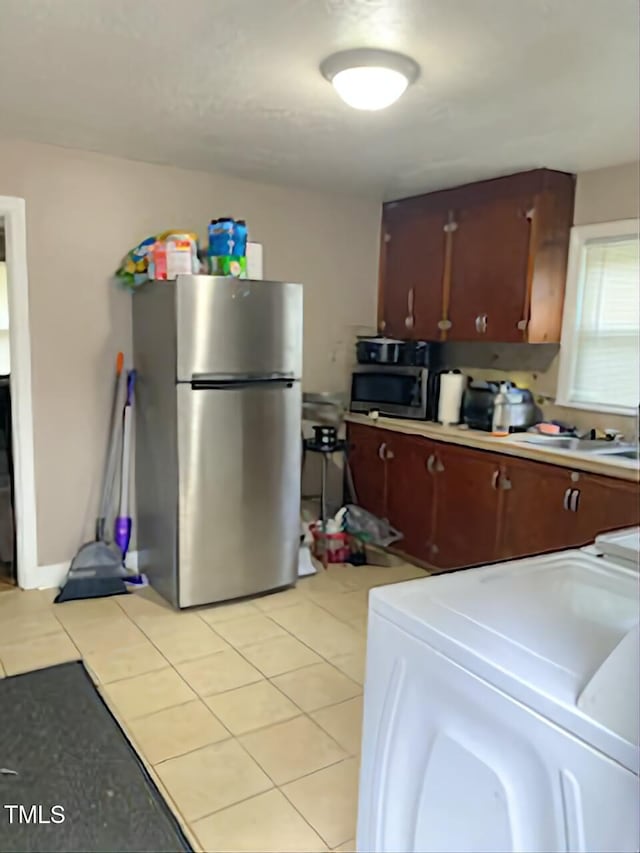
<point x="500" y="422"/>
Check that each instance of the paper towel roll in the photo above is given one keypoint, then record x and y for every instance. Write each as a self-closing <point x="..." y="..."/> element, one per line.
<point x="452" y="387"/>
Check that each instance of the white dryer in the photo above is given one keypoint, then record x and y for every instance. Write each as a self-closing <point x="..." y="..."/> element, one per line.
<point x="502" y="708"/>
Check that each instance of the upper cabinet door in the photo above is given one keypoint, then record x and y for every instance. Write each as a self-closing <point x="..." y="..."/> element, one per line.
<point x="489" y="270"/>
<point x="481" y="262"/>
<point x="412" y="269"/>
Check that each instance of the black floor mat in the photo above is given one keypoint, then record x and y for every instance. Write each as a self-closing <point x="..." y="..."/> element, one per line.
<point x="68" y="751"/>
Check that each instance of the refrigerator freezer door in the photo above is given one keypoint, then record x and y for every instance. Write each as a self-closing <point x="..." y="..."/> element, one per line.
<point x="239" y="489"/>
<point x="230" y="327"/>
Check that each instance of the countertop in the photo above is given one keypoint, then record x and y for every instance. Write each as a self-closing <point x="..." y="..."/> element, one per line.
<point x="623" y="469"/>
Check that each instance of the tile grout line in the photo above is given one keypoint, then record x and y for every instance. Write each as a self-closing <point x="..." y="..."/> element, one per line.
<point x="276" y="787"/>
<point x="198" y="697"/>
<point x="150" y="639"/>
<point x="124" y="724"/>
<point x="306" y="714"/>
<point x="339" y="618"/>
<point x="324" y="657"/>
<point x="284" y="794"/>
<point x="299" y="669"/>
<point x="162" y="788"/>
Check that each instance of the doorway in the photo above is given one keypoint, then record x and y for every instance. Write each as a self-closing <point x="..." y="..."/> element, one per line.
<point x="8" y="568"/>
<point x="18" y="545"/>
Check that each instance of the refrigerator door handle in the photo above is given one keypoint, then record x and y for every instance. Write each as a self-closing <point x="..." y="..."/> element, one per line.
<point x="238" y="384"/>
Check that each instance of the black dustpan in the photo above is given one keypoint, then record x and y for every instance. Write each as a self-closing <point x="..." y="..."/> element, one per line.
<point x="95" y="572"/>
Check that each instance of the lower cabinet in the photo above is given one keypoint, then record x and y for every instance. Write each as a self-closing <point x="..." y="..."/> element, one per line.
<point x="410" y="493"/>
<point x="461" y="507"/>
<point x="604" y="503"/>
<point x="391" y="480"/>
<point x="548" y="508"/>
<point x="465" y="529"/>
<point x="366" y="459"/>
<point x="536" y="516"/>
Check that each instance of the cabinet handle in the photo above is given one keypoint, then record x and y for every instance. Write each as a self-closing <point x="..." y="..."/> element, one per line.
<point x="383" y="325"/>
<point x="444" y="325"/>
<point x="505" y="484"/>
<point x="439" y="465"/>
<point x="382" y="450"/>
<point x="430" y="464"/>
<point x="567" y="497"/>
<point x="481" y="323"/>
<point x="494" y="478"/>
<point x="575" y="500"/>
<point x="389" y="454"/>
<point x="410" y="319"/>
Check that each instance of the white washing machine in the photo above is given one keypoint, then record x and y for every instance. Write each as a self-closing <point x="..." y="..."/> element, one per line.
<point x="502" y="708"/>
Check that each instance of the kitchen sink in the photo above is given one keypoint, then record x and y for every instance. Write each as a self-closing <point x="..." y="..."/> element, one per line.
<point x="622" y="453"/>
<point x="562" y="442"/>
<point x="582" y="445"/>
<point x="559" y="442"/>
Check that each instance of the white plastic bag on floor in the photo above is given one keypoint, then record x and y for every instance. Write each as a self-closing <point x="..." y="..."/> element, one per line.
<point x="305" y="564"/>
<point x="368" y="527"/>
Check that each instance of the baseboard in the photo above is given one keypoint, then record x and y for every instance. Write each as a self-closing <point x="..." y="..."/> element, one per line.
<point x="131" y="561"/>
<point x="48" y="577"/>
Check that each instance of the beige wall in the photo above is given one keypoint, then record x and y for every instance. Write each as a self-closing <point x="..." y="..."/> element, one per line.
<point x="605" y="195"/>
<point x="84" y="211"/>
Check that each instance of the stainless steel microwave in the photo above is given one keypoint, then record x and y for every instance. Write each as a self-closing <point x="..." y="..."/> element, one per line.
<point x="395" y="390"/>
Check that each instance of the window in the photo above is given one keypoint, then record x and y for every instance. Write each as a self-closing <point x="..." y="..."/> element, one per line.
<point x="600" y="350"/>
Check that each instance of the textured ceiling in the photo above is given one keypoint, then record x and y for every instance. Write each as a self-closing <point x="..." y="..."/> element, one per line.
<point x="234" y="86"/>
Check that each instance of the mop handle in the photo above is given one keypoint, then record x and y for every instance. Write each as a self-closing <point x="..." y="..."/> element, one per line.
<point x="111" y="462"/>
<point x="126" y="446"/>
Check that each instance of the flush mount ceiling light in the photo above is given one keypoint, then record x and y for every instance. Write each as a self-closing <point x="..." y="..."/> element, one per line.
<point x="369" y="79"/>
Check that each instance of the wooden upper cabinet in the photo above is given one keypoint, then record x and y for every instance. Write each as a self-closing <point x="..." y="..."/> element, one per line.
<point x="491" y="245"/>
<point x="413" y="257"/>
<point x="485" y="261"/>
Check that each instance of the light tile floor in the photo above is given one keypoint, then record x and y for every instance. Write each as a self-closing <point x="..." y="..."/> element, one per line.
<point x="247" y="715"/>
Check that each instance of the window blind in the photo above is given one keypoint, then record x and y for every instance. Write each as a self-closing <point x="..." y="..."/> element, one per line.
<point x="607" y="358"/>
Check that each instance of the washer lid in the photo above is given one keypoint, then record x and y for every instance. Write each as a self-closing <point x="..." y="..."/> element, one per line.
<point x="612" y="697"/>
<point x="540" y="630"/>
<point x="621" y="545"/>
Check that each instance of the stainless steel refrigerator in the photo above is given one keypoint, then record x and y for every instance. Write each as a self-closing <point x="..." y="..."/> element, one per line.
<point x="218" y="426"/>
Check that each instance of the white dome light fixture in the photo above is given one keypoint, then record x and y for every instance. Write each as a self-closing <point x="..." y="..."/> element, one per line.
<point x="369" y="79"/>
